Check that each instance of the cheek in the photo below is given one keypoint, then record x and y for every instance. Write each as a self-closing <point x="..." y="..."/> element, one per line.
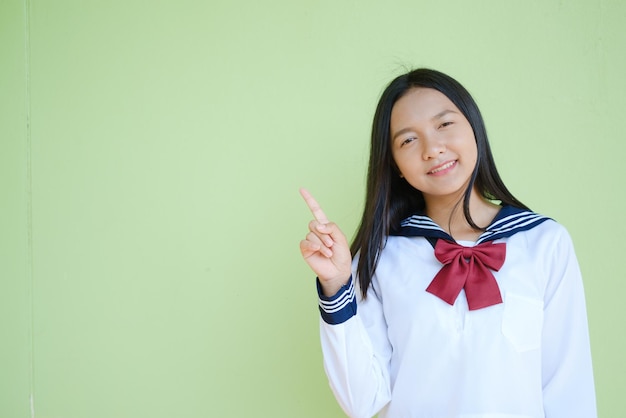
<point x="397" y="161"/>
<point x="402" y="163"/>
<point x="473" y="154"/>
<point x="471" y="149"/>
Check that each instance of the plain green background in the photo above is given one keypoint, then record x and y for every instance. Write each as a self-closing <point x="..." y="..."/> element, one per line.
<point x="150" y="159"/>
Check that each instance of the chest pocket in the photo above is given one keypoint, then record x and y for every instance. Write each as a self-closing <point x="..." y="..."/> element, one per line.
<point x="522" y="321"/>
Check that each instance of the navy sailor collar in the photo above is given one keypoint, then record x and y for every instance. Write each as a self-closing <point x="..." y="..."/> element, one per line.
<point x="509" y="221"/>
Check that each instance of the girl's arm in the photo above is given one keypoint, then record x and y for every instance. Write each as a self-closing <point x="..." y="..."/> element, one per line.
<point x="356" y="351"/>
<point x="568" y="387"/>
<point x="355" y="346"/>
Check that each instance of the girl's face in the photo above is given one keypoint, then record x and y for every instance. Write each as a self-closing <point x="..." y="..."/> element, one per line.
<point x="433" y="145"/>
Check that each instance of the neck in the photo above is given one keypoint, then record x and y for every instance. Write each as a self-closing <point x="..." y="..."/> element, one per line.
<point x="448" y="214"/>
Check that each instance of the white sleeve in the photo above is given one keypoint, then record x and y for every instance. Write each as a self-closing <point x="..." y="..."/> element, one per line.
<point x="356" y="351"/>
<point x="568" y="387"/>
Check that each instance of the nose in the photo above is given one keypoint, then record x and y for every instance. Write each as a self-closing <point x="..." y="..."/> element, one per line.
<point x="433" y="147"/>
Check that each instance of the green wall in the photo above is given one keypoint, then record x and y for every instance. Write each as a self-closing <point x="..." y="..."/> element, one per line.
<point x="150" y="159"/>
<point x="15" y="257"/>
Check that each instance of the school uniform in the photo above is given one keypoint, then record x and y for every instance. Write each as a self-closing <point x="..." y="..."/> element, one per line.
<point x="405" y="352"/>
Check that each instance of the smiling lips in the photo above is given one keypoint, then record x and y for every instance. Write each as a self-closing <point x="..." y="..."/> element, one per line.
<point x="443" y="167"/>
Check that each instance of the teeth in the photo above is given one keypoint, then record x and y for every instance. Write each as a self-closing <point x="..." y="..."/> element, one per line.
<point x="443" y="167"/>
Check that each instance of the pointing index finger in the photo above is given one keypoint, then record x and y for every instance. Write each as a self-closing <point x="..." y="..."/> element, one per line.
<point x="315" y="208"/>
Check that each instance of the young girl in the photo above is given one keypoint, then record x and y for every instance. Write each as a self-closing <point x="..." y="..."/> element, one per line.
<point x="459" y="302"/>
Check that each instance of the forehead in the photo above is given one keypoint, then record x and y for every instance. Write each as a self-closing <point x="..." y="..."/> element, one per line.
<point x="421" y="102"/>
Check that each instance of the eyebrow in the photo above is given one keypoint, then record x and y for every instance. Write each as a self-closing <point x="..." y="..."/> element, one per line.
<point x="437" y="116"/>
<point x="443" y="113"/>
<point x="400" y="132"/>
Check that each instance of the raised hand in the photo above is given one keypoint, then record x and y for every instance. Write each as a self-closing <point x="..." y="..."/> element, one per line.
<point x="325" y="249"/>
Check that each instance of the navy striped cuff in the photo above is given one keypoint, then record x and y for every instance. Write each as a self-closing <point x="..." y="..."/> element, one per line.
<point x="340" y="307"/>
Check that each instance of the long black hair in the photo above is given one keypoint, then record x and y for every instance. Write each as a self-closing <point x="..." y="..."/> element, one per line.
<point x="390" y="198"/>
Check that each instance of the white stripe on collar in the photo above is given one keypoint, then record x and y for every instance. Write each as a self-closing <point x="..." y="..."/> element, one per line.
<point x="509" y="221"/>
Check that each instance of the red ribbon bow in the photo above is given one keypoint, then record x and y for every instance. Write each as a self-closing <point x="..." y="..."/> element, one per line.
<point x="468" y="267"/>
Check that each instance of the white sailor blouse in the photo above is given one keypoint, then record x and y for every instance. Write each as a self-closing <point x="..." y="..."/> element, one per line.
<point x="406" y="352"/>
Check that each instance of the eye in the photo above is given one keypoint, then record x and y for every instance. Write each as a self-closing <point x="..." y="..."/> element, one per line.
<point x="444" y="124"/>
<point x="407" y="141"/>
